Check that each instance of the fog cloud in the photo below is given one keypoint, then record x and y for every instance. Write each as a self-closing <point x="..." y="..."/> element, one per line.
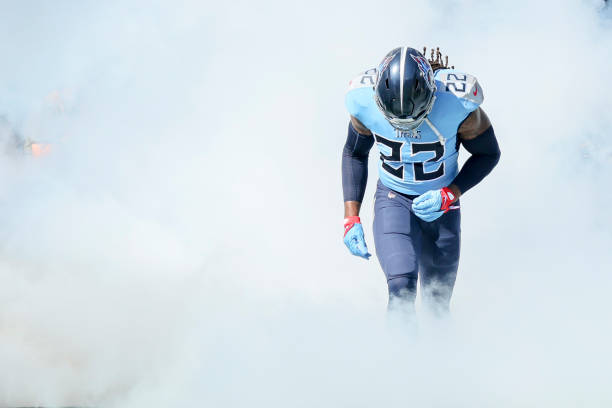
<point x="181" y="243"/>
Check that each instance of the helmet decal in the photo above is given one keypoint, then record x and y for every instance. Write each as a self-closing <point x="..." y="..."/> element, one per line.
<point x="426" y="70"/>
<point x="385" y="63"/>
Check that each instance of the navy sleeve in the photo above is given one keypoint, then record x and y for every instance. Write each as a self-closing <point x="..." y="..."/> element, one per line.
<point x="355" y="164"/>
<point x="485" y="155"/>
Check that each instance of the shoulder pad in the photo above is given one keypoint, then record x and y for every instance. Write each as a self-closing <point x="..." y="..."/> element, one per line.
<point x="365" y="79"/>
<point x="359" y="96"/>
<point x="464" y="87"/>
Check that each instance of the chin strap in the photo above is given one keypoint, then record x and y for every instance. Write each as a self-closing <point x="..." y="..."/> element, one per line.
<point x="436" y="131"/>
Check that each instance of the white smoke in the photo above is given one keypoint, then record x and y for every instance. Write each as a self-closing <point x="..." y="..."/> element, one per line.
<point x="182" y="242"/>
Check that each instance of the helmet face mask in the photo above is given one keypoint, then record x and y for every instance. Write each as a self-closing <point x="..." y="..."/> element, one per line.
<point x="409" y="123"/>
<point x="405" y="88"/>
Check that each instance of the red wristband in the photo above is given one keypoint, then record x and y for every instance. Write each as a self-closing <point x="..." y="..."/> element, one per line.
<point x="349" y="222"/>
<point x="447" y="198"/>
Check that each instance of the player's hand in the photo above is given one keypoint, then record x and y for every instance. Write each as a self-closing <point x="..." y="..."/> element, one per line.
<point x="353" y="237"/>
<point x="431" y="205"/>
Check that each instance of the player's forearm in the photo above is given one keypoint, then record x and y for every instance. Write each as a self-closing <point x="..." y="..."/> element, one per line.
<point x="351" y="208"/>
<point x="485" y="156"/>
<point x="355" y="165"/>
<point x="354" y="176"/>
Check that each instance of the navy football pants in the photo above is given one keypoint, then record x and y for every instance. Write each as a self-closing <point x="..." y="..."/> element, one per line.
<point x="407" y="246"/>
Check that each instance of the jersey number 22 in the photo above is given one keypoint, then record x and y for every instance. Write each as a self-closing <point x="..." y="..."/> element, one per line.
<point x="418" y="167"/>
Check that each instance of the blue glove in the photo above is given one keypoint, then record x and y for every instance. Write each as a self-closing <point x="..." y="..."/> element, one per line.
<point x="353" y="237"/>
<point x="431" y="205"/>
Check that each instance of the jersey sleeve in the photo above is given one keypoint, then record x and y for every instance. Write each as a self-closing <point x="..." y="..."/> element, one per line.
<point x="461" y="88"/>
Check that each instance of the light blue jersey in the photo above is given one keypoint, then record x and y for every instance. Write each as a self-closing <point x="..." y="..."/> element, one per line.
<point x="426" y="158"/>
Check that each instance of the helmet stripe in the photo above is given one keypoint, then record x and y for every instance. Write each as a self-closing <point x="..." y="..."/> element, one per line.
<point x="402" y="66"/>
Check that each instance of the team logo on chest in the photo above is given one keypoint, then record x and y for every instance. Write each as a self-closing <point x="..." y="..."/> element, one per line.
<point x="408" y="134"/>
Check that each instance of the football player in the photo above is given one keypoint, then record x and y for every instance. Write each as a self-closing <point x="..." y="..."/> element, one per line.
<point x="418" y="112"/>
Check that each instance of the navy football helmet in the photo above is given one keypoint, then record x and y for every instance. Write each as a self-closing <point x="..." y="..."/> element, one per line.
<point x="405" y="88"/>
